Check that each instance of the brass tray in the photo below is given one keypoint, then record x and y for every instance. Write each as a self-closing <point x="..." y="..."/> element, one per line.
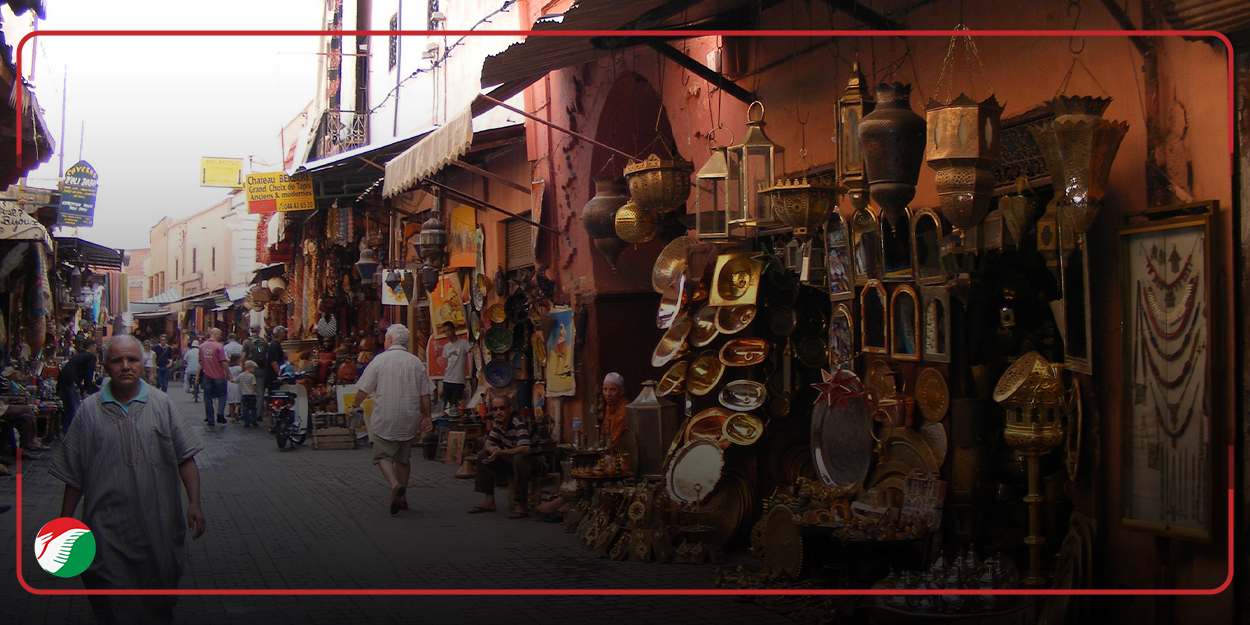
<point x="728" y="509"/>
<point x="670" y="263"/>
<point x="695" y="471"/>
<point x="841" y="436"/>
<point x="704" y="373"/>
<point x="496" y="313"/>
<point x="743" y="395"/>
<point x="672" y="303"/>
<point x="880" y="381"/>
<point x="932" y="394"/>
<point x="704" y="330"/>
<point x="736" y="280"/>
<point x="744" y="352"/>
<point x="734" y="319"/>
<point x="905" y="445"/>
<point x="742" y="429"/>
<point x="674" y="380"/>
<point x="934" y="435"/>
<point x="708" y="425"/>
<point x="672" y="343"/>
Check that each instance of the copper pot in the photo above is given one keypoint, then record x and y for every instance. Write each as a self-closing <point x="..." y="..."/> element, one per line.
<point x="892" y="139"/>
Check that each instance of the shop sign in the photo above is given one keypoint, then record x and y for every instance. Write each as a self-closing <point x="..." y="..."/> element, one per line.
<point x="78" y="192"/>
<point x="221" y="172"/>
<point x="278" y="192"/>
<point x="16" y="225"/>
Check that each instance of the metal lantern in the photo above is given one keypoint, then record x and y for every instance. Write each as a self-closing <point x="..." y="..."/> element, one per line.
<point x="658" y="185"/>
<point x="599" y="218"/>
<point x="1079" y="147"/>
<point x="429" y="278"/>
<point x="856" y="102"/>
<point x="753" y="165"/>
<point x="635" y="224"/>
<point x="367" y="266"/>
<point x="802" y="204"/>
<point x="712" y="198"/>
<point x="892" y="139"/>
<point x="393" y="279"/>
<point x="653" y="420"/>
<point x="964" y="148"/>
<point x="432" y="242"/>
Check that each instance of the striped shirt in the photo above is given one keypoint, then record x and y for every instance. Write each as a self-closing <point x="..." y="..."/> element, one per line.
<point x="397" y="380"/>
<point x="517" y="434"/>
<point x="247" y="383"/>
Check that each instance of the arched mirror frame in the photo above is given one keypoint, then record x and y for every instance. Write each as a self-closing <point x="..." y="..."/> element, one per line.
<point x="864" y="224"/>
<point x="875" y="289"/>
<point x="844" y="310"/>
<point x="897" y="307"/>
<point x="838" y="259"/>
<point x="939" y="226"/>
<point x="905" y="238"/>
<point x="932" y="352"/>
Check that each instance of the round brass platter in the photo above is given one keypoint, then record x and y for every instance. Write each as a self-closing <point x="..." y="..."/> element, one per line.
<point x="744" y="352"/>
<point x="670" y="263"/>
<point x="704" y="330"/>
<point x="742" y="429"/>
<point x="704" y="373"/>
<point x="674" y="380"/>
<point x="709" y="425"/>
<point x="728" y="509"/>
<point x="743" y="395"/>
<point x="496" y="313"/>
<point x="672" y="343"/>
<point x="695" y="471"/>
<point x="880" y="380"/>
<point x="734" y="319"/>
<point x="932" y="394"/>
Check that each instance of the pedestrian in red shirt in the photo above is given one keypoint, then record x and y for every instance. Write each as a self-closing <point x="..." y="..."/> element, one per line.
<point x="215" y="375"/>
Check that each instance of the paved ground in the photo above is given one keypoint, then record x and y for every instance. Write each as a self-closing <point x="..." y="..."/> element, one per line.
<point x="318" y="519"/>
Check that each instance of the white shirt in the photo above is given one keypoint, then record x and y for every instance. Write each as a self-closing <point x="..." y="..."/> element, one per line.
<point x="396" y="380"/>
<point x="455" y="353"/>
<point x="232" y="348"/>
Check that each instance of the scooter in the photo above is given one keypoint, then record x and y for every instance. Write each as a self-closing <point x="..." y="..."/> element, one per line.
<point x="287" y="423"/>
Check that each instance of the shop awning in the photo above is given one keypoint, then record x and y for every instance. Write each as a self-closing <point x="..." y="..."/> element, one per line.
<point x="152" y="315"/>
<point x="267" y="272"/>
<point x="168" y="297"/>
<point x="352" y="173"/>
<point x="445" y="146"/>
<point x="75" y="251"/>
<point x="16" y="225"/>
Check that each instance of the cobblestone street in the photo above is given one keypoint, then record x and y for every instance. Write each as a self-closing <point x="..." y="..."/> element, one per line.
<point x="318" y="519"/>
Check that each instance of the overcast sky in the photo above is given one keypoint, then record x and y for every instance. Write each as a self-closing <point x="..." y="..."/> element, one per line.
<point x="152" y="106"/>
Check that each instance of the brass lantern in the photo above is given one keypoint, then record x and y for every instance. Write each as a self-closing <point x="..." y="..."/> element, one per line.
<point x="432" y="242"/>
<point x="753" y="165"/>
<point x="892" y="140"/>
<point x="801" y="203"/>
<point x="635" y="224"/>
<point x="964" y="148"/>
<point x="653" y="421"/>
<point x="1079" y="147"/>
<point x="854" y="105"/>
<point x="712" y="198"/>
<point x="367" y="266"/>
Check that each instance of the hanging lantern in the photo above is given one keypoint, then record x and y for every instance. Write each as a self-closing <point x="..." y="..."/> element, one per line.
<point x="432" y="242"/>
<point x="429" y="278"/>
<point x="753" y="165"/>
<point x="1079" y="147"/>
<point x="892" y="140"/>
<point x="802" y="204"/>
<point x="635" y="224"/>
<point x="658" y="185"/>
<point x="964" y="149"/>
<point x="501" y="282"/>
<point x="599" y="218"/>
<point x="393" y="279"/>
<point x="854" y="105"/>
<point x="367" y="266"/>
<point x="712" y="198"/>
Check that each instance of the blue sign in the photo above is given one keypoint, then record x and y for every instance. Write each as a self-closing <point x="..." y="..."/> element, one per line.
<point x="78" y="195"/>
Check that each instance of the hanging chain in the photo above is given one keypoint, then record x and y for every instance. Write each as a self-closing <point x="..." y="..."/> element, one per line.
<point x="803" y="137"/>
<point x="1074" y="6"/>
<point x="947" y="74"/>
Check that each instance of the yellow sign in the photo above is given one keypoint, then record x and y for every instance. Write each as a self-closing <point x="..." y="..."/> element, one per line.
<point x="221" y="172"/>
<point x="278" y="192"/>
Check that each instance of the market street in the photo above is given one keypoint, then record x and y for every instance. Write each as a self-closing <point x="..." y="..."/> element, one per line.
<point x="318" y="519"/>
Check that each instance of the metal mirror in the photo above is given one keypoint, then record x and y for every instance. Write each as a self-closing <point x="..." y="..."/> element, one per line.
<point x="936" y="328"/>
<point x="873" y="318"/>
<point x="838" y="248"/>
<point x="1077" y="319"/>
<point x="841" y="337"/>
<point x="896" y="248"/>
<point x="905" y="324"/>
<point x="865" y="247"/>
<point x="927" y="247"/>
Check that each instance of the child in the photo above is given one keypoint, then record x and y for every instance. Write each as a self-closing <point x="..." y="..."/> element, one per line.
<point x="232" y="387"/>
<point x="247" y="393"/>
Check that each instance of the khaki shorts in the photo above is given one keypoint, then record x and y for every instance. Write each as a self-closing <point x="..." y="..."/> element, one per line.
<point x="390" y="450"/>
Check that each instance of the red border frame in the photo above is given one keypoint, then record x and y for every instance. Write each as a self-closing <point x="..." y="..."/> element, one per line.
<point x="634" y="591"/>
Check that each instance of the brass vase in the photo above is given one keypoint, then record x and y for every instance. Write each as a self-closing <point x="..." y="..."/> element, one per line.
<point x="599" y="218"/>
<point x="892" y="140"/>
<point x="964" y="149"/>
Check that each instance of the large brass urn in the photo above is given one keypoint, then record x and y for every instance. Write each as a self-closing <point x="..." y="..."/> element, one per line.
<point x="1079" y="147"/>
<point x="964" y="149"/>
<point x="599" y="218"/>
<point x="892" y="140"/>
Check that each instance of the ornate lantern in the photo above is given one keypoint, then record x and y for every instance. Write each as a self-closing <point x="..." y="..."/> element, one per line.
<point x="432" y="242"/>
<point x="892" y="140"/>
<point x="367" y="266"/>
<point x="802" y="204"/>
<point x="599" y="218"/>
<point x="964" y="149"/>
<point x="429" y="278"/>
<point x="1079" y="147"/>
<point x="753" y="165"/>
<point x="712" y="199"/>
<point x="635" y="224"/>
<point x="653" y="420"/>
<point x="854" y="105"/>
<point x="658" y="185"/>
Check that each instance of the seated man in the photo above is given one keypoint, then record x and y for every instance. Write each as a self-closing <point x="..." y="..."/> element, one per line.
<point x="19" y="416"/>
<point x="506" y="453"/>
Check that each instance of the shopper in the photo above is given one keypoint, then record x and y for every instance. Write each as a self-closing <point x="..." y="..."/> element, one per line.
<point x="247" y="393"/>
<point x="77" y="378"/>
<point x="163" y="354"/>
<point x="216" y="374"/>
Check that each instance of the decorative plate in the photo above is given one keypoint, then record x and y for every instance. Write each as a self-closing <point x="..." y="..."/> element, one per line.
<point x="704" y="373"/>
<point x="670" y="263"/>
<point x="498" y="339"/>
<point x="744" y="352"/>
<point x="498" y="373"/>
<point x="734" y="319"/>
<point x="674" y="380"/>
<point x="695" y="471"/>
<point x="813" y="352"/>
<point x="704" y="330"/>
<point x="932" y="394"/>
<point x="934" y="434"/>
<point x="708" y="425"/>
<point x="672" y="303"/>
<point x="672" y="343"/>
<point x="743" y="395"/>
<point x="742" y="429"/>
<point x="496" y="313"/>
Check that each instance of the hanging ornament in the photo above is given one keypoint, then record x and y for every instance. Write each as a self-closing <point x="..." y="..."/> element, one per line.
<point x="892" y="140"/>
<point x="635" y="224"/>
<point x="599" y="218"/>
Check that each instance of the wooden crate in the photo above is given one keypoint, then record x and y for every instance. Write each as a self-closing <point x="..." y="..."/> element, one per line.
<point x="334" y="438"/>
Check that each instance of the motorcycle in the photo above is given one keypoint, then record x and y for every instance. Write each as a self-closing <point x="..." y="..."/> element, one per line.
<point x="287" y="423"/>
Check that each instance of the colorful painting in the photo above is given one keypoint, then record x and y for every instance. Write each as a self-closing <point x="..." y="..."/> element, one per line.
<point x="455" y="448"/>
<point x="461" y="237"/>
<point x="445" y="305"/>
<point x="434" y="355"/>
<point x="560" y="380"/>
<point x="396" y="296"/>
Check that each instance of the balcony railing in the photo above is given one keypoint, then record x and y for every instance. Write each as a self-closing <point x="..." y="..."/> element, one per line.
<point x="341" y="131"/>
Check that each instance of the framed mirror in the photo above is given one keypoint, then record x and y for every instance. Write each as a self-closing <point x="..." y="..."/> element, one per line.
<point x="935" y="328"/>
<point x="904" y="324"/>
<point x="865" y="247"/>
<point x="1077" y="320"/>
<point x="842" y="337"/>
<point x="896" y="248"/>
<point x="874" y="322"/>
<point x="926" y="232"/>
<point x="838" y="249"/>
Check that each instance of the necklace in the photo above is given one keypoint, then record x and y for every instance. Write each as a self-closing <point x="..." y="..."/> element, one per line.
<point x="1152" y="331"/>
<point x="1185" y="371"/>
<point x="1181" y="274"/>
<point x="1170" y="427"/>
<point x="1157" y="311"/>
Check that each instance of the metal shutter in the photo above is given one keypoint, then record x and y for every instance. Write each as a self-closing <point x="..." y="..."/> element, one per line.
<point x="520" y="244"/>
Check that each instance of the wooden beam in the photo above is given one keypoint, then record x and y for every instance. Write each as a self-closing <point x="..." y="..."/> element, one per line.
<point x="702" y="71"/>
<point x="441" y="190"/>
<point x="865" y="15"/>
<point x="491" y="176"/>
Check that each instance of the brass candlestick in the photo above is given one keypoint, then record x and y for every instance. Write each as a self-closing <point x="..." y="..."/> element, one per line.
<point x="1031" y="394"/>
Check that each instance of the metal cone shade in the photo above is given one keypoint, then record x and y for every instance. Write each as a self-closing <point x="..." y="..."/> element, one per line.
<point x="1079" y="148"/>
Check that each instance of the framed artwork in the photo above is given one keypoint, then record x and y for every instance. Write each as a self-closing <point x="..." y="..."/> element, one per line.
<point x="455" y="448"/>
<point x="461" y="236"/>
<point x="874" y="322"/>
<point x="560" y="379"/>
<point x="896" y="248"/>
<point x="904" y="324"/>
<point x="865" y="247"/>
<point x="841" y="337"/>
<point x="926" y="247"/>
<point x="1169" y="331"/>
<point x="936" y="326"/>
<point x="838" y="249"/>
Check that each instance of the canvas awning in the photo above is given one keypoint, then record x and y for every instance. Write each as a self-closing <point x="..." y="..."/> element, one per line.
<point x="168" y="297"/>
<point x="348" y="175"/>
<point x="75" y="251"/>
<point x="16" y="225"/>
<point x="430" y="154"/>
<point x="152" y="315"/>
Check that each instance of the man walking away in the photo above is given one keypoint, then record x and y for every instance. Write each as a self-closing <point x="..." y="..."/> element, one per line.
<point x="399" y="382"/>
<point x="213" y="367"/>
